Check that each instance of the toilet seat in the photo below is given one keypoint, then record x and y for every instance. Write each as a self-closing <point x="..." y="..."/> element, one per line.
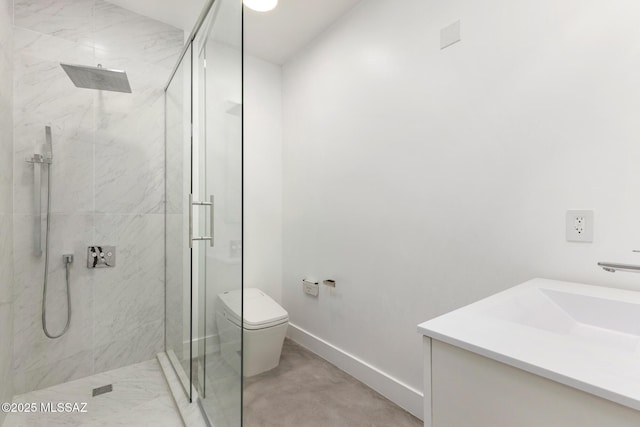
<point x="260" y="311"/>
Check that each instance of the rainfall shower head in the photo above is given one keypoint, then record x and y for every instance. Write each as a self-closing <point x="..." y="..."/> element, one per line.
<point x="97" y="78"/>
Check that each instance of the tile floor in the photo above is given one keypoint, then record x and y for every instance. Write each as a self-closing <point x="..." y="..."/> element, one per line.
<point x="140" y="397"/>
<point x="306" y="391"/>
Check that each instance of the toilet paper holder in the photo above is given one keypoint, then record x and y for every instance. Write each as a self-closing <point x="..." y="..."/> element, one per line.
<point x="329" y="282"/>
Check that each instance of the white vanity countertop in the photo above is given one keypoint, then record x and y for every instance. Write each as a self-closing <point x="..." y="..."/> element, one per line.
<point x="586" y="337"/>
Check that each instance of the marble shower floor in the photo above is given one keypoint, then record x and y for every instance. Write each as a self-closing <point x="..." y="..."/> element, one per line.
<point x="307" y="391"/>
<point x="140" y="397"/>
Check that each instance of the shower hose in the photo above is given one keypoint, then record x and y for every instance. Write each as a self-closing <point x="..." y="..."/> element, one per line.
<point x="46" y="268"/>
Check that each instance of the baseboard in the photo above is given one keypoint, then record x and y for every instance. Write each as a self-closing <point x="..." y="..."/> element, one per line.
<point x="393" y="389"/>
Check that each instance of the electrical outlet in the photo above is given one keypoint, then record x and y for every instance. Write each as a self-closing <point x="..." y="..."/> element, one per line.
<point x="580" y="226"/>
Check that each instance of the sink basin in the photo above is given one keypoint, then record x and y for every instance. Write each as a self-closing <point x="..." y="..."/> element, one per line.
<point x="583" y="336"/>
<point x="603" y="321"/>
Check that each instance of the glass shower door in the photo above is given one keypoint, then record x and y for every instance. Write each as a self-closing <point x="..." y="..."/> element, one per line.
<point x="204" y="216"/>
<point x="218" y="100"/>
<point x="178" y="182"/>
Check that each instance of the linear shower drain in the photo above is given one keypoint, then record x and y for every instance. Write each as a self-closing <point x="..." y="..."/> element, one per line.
<point x="102" y="390"/>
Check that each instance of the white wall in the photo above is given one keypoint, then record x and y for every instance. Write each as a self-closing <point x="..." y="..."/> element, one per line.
<point x="6" y="200"/>
<point x="263" y="176"/>
<point x="423" y="179"/>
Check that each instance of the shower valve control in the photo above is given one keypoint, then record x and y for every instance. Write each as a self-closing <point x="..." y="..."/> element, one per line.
<point x="101" y="256"/>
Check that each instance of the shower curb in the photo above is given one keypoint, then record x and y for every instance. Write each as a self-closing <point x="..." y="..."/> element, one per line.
<point x="191" y="413"/>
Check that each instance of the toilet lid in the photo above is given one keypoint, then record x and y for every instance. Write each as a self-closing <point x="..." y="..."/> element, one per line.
<point x="260" y="310"/>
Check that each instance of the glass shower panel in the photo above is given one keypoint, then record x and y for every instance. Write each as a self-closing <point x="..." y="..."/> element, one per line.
<point x="219" y="63"/>
<point x="178" y="182"/>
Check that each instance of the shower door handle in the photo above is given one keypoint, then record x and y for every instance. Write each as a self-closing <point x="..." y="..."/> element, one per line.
<point x="211" y="218"/>
<point x="208" y="204"/>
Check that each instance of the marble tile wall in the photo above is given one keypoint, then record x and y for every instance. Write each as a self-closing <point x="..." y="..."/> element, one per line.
<point x="108" y="187"/>
<point x="6" y="201"/>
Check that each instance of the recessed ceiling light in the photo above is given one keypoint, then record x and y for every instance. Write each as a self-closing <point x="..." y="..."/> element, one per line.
<point x="261" y="5"/>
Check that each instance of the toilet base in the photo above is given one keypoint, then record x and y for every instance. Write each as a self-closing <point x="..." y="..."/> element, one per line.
<point x="262" y="347"/>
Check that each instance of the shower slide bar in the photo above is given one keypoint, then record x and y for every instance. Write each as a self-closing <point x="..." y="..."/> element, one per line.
<point x="38" y="161"/>
<point x="208" y="204"/>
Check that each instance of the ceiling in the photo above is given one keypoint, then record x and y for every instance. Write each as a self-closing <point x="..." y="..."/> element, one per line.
<point x="274" y="36"/>
<point x="277" y="35"/>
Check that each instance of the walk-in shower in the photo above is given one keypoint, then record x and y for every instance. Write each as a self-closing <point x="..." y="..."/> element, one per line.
<point x="83" y="77"/>
<point x="106" y="186"/>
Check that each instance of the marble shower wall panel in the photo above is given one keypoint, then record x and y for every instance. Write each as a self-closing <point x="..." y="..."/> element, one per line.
<point x="6" y="151"/>
<point x="130" y="174"/>
<point x="132" y="36"/>
<point x="6" y="387"/>
<point x="6" y="116"/>
<point x="147" y="50"/>
<point x="34" y="354"/>
<point x="6" y="202"/>
<point x="6" y="257"/>
<point x="64" y="19"/>
<point x="129" y="348"/>
<point x="46" y="96"/>
<point x="135" y="287"/>
<point x="129" y="184"/>
<point x="108" y="175"/>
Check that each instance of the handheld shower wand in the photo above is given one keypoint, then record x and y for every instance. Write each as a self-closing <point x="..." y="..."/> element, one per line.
<point x="40" y="161"/>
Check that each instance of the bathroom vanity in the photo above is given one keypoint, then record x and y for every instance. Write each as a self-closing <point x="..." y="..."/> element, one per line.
<point x="544" y="353"/>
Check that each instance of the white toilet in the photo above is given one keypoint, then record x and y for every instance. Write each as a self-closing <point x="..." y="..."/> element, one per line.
<point x="264" y="325"/>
